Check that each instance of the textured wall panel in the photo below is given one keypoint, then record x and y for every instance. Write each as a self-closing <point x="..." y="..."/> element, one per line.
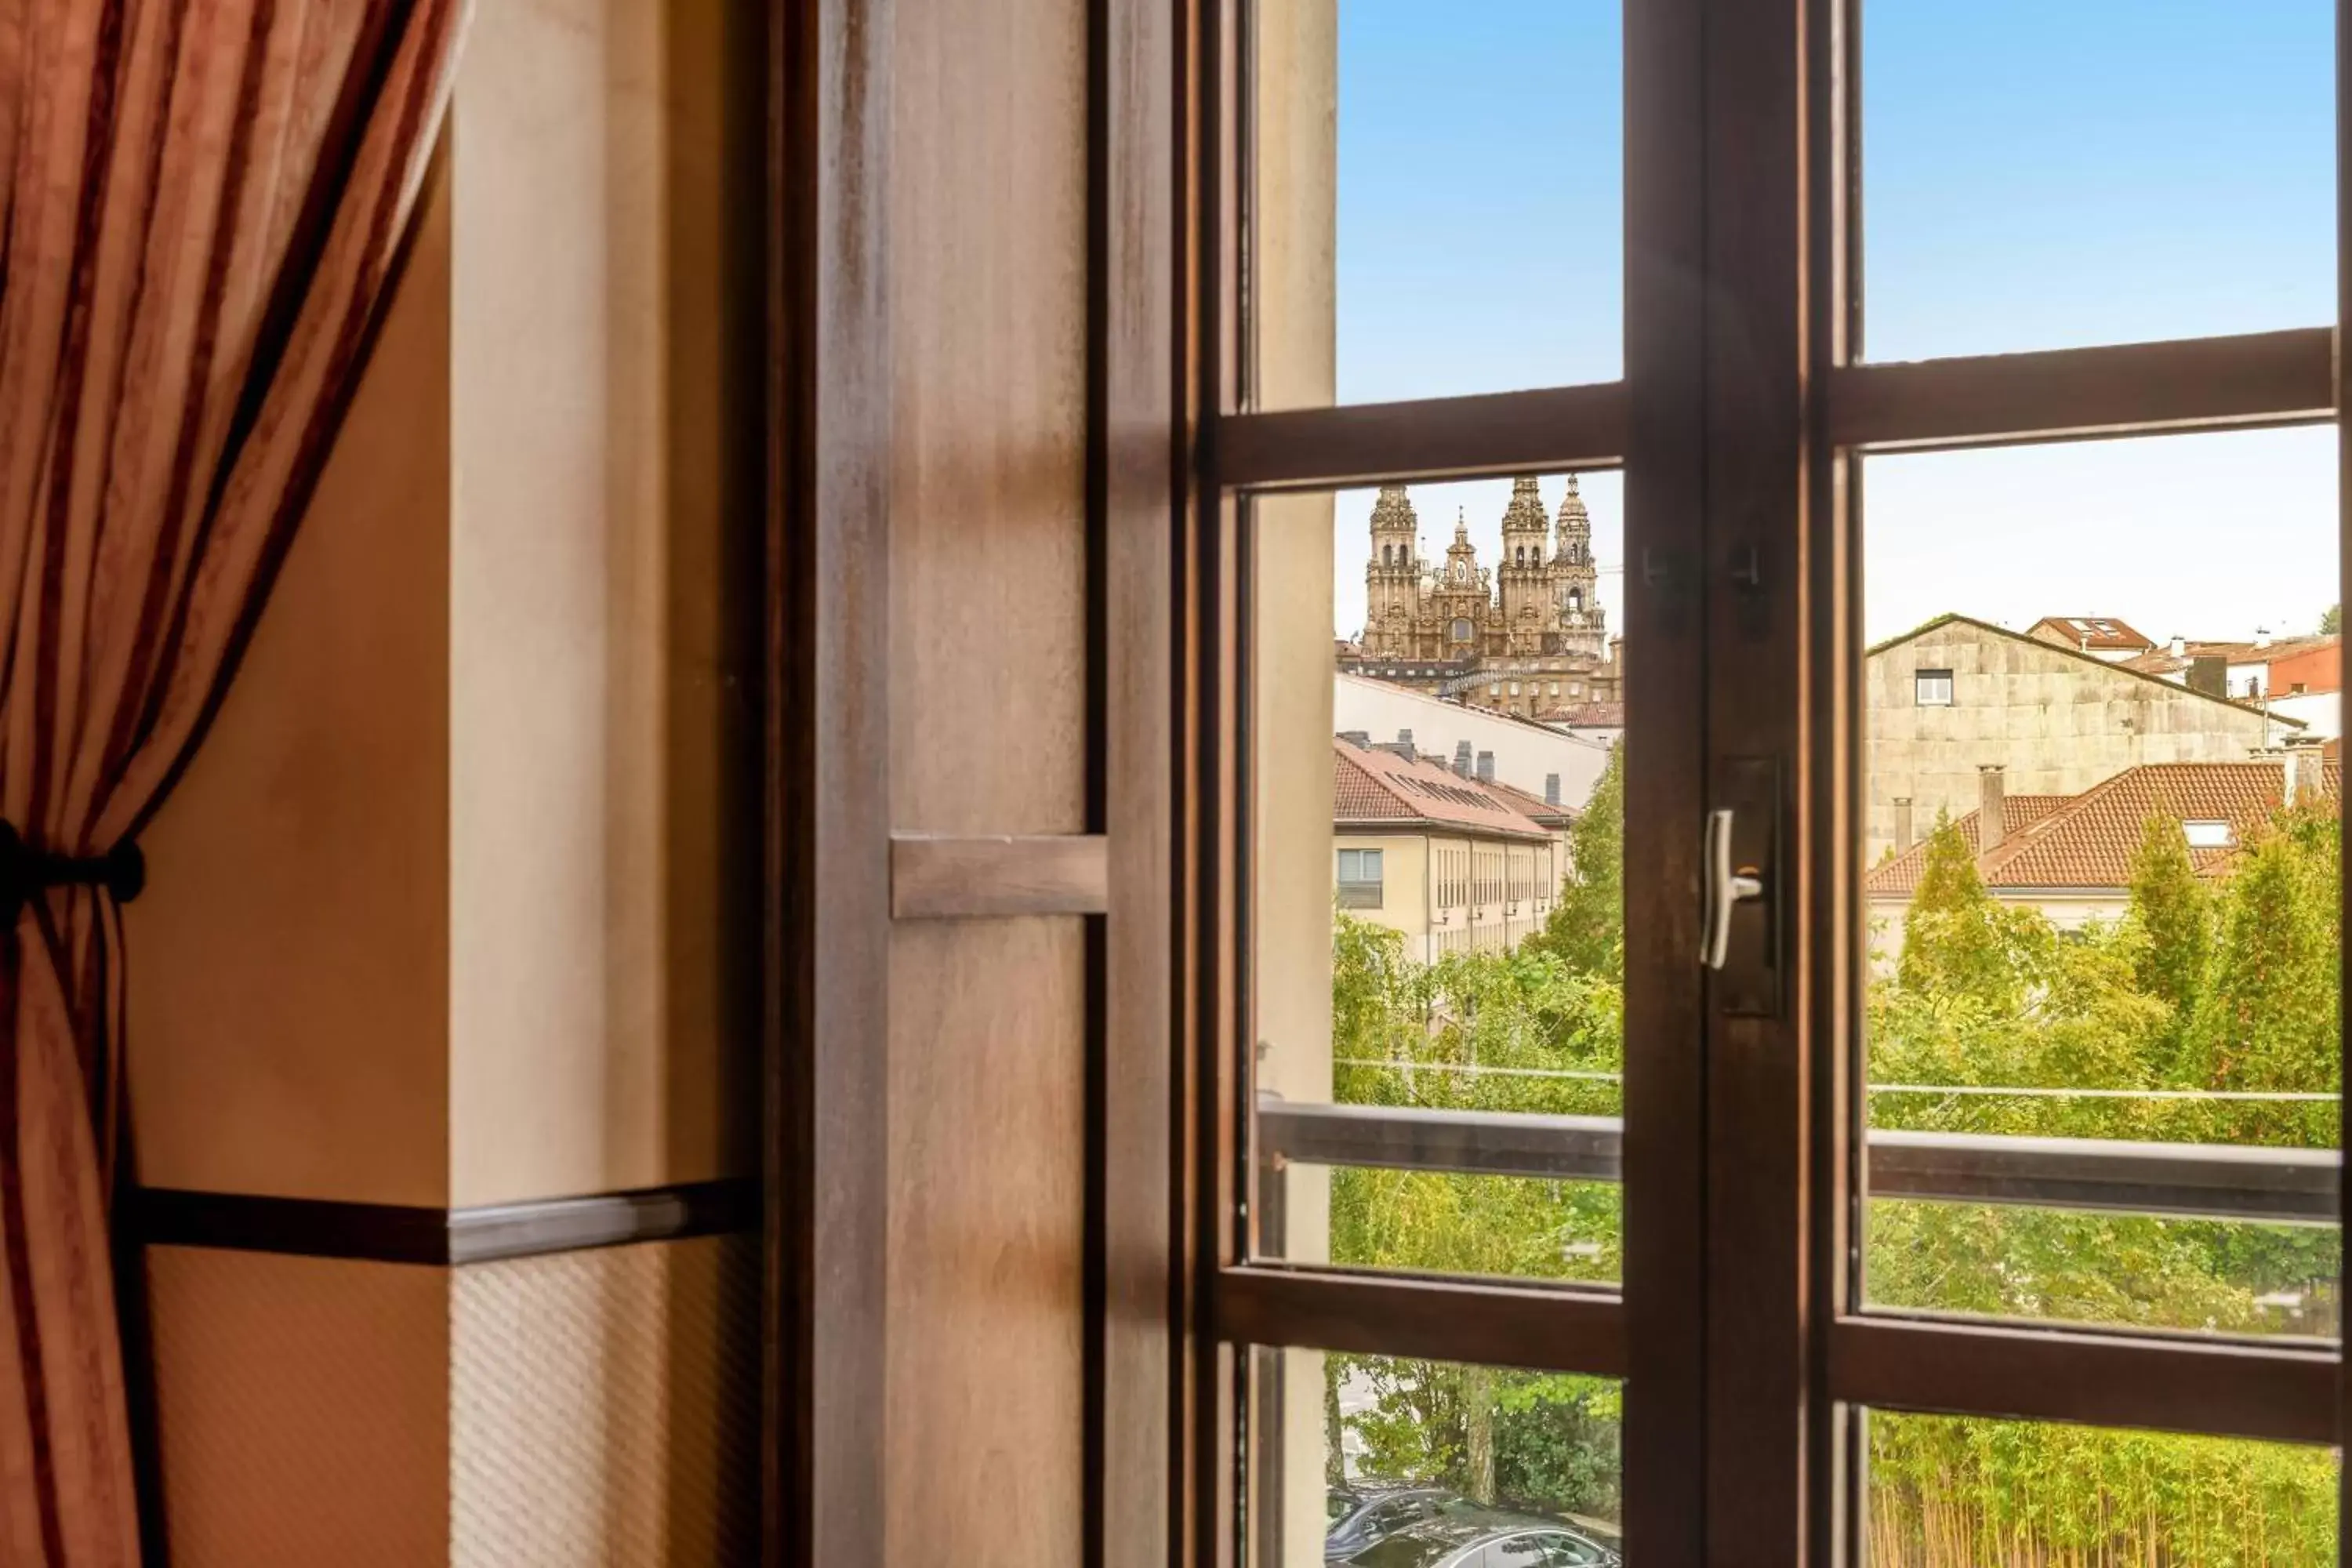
<point x="604" y="1409"/>
<point x="303" y="1409"/>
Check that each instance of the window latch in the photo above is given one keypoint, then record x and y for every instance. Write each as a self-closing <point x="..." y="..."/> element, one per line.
<point x="1727" y="887"/>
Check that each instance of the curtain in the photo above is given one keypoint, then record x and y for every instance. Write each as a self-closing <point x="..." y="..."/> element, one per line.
<point x="202" y="204"/>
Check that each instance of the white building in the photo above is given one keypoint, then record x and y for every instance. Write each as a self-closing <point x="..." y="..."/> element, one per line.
<point x="1524" y="754"/>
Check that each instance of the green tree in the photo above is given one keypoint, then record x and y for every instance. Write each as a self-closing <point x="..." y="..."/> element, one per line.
<point x="2331" y="620"/>
<point x="1587" y="926"/>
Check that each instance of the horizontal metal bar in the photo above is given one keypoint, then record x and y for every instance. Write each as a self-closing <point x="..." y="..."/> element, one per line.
<point x="2173" y="1384"/>
<point x="1493" y="1324"/>
<point x="2195" y="1180"/>
<point x="2259" y="378"/>
<point x="1367" y="443"/>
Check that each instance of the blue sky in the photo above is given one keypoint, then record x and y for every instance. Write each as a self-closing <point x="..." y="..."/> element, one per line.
<point x="2036" y="175"/>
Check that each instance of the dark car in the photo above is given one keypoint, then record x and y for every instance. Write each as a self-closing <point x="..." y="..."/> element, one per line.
<point x="1467" y="1537"/>
<point x="1359" y="1517"/>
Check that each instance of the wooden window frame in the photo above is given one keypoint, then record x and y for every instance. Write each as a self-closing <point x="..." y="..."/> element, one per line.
<point x="1739" y="135"/>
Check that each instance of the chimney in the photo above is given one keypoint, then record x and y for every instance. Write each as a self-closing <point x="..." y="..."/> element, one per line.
<point x="1551" y="789"/>
<point x="2210" y="673"/>
<point x="2262" y="637"/>
<point x="1404" y="742"/>
<point x="1462" y="758"/>
<point x="2180" y="646"/>
<point x="1902" y="823"/>
<point x="1359" y="738"/>
<point x="1486" y="767"/>
<point x="1992" y="825"/>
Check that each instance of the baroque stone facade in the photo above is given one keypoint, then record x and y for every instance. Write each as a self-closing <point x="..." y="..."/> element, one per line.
<point x="1527" y="637"/>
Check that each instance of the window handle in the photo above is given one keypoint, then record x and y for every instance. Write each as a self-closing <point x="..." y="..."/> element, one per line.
<point x="1726" y="887"/>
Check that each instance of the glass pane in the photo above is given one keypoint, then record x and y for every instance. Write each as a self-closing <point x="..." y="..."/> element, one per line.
<point x="2044" y="176"/>
<point x="1390" y="1463"/>
<point x="1950" y="1491"/>
<point x="2101" y="848"/>
<point x="1436" y="821"/>
<point x="1437" y="199"/>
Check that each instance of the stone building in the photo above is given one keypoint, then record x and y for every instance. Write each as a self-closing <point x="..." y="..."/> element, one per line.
<point x="1958" y="696"/>
<point x="1526" y="636"/>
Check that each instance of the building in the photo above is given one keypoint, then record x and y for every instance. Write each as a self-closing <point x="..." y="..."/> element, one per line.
<point x="1958" y="695"/>
<point x="1457" y="864"/>
<point x="1539" y="758"/>
<point x="2101" y="636"/>
<point x="2298" y="678"/>
<point x="1527" y="635"/>
<point x="2070" y="856"/>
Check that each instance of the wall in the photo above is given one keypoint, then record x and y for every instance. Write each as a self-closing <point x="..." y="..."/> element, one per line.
<point x="1405" y="890"/>
<point x="1296" y="149"/>
<point x="452" y="907"/>
<point x="2058" y="723"/>
<point x="1524" y="752"/>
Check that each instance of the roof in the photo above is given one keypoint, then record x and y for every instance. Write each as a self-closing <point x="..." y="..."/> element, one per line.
<point x="1534" y="807"/>
<point x="2091" y="632"/>
<point x="1900" y="876"/>
<point x="1587" y="715"/>
<point x="2164" y="661"/>
<point x="1377" y="787"/>
<point x="2088" y="840"/>
<point x="2130" y="667"/>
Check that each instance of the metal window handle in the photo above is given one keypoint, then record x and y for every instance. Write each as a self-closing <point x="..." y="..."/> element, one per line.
<point x="1725" y="888"/>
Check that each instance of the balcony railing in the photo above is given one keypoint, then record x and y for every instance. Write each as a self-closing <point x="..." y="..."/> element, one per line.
<point x="2204" y="1181"/>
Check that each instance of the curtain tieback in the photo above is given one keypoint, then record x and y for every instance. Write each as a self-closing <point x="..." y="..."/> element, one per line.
<point x="23" y="871"/>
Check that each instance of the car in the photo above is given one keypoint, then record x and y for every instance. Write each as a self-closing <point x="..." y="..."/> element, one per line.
<point x="1362" y="1516"/>
<point x="1465" y="1536"/>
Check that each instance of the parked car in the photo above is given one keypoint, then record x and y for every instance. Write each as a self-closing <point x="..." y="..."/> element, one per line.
<point x="1362" y="1516"/>
<point x="1463" y="1536"/>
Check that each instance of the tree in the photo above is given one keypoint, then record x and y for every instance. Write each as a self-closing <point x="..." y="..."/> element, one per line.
<point x="2172" y="918"/>
<point x="2331" y="620"/>
<point x="1587" y="926"/>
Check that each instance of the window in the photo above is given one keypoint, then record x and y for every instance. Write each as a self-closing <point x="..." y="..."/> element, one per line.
<point x="1360" y="878"/>
<point x="1825" y="1185"/>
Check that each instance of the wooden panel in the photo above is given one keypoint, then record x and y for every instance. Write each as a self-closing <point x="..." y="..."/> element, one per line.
<point x="1664" y="1164"/>
<point x="937" y="877"/>
<point x="1135" y="461"/>
<point x="1492" y="433"/>
<point x="1757" y="618"/>
<point x="2259" y="378"/>
<point x="989" y="725"/>
<point x="827" y="846"/>
<point x="1369" y="1314"/>
<point x="2171" y="1385"/>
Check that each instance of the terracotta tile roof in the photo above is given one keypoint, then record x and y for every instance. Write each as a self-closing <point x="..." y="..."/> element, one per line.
<point x="1900" y="876"/>
<point x="1532" y="806"/>
<point x="1587" y="715"/>
<point x="1376" y="786"/>
<point x="2092" y="632"/>
<point x="2164" y="661"/>
<point x="2088" y="840"/>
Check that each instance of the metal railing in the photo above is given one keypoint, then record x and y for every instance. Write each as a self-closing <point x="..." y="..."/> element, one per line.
<point x="2202" y="1181"/>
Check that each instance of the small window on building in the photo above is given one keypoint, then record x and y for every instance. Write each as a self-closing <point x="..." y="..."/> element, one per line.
<point x="1360" y="878"/>
<point x="1460" y="630"/>
<point x="1515" y="688"/>
<point x="2207" y="834"/>
<point x="1496" y="690"/>
<point x="1555" y="688"/>
<point x="1932" y="688"/>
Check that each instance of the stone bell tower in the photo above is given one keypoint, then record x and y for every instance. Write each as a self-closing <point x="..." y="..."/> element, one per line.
<point x="1575" y="581"/>
<point x="1525" y="576"/>
<point x="1392" y="576"/>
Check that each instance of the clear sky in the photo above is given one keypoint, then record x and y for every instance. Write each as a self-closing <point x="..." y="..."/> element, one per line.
<point x="2038" y="174"/>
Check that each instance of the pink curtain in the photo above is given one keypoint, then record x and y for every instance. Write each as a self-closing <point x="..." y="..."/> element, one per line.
<point x="201" y="202"/>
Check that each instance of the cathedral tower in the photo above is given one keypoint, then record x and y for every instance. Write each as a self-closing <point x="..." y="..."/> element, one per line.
<point x="1392" y="578"/>
<point x="1527" y="599"/>
<point x="1575" y="581"/>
